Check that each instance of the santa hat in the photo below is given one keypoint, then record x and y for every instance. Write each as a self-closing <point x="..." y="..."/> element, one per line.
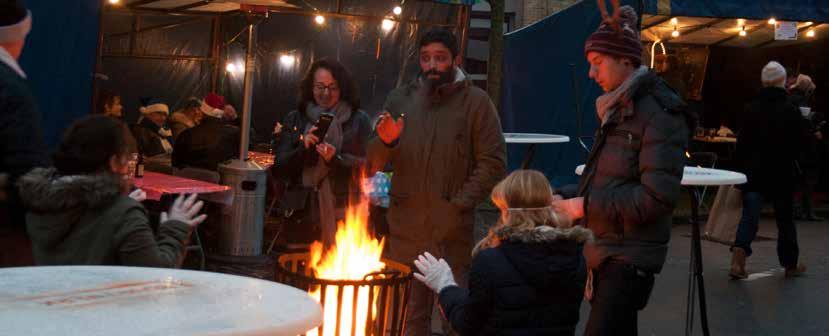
<point x="215" y="101"/>
<point x="15" y="21"/>
<point x="151" y="105"/>
<point x="620" y="41"/>
<point x="211" y="111"/>
<point x="773" y="74"/>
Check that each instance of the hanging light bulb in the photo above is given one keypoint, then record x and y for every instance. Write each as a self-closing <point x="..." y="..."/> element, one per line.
<point x="319" y="19"/>
<point x="810" y="33"/>
<point x="114" y="2"/>
<point x="287" y="60"/>
<point x="387" y="24"/>
<point x="675" y="33"/>
<point x="772" y="21"/>
<point x="674" y="21"/>
<point x="231" y="68"/>
<point x="397" y="10"/>
<point x="743" y="32"/>
<point x="809" y="23"/>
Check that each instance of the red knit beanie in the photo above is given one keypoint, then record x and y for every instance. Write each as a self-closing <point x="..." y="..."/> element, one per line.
<point x="623" y="43"/>
<point x="215" y="101"/>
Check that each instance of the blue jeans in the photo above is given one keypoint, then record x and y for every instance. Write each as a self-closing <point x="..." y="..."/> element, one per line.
<point x="787" y="249"/>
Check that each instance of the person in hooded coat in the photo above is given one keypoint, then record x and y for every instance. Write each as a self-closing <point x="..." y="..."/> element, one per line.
<point x="78" y="212"/>
<point x="527" y="276"/>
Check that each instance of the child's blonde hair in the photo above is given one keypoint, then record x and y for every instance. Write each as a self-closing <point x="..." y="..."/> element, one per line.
<point x="524" y="198"/>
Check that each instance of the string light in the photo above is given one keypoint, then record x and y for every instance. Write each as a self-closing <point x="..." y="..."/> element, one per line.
<point x="772" y="21"/>
<point x="674" y="21"/>
<point x="287" y="60"/>
<point x="743" y="31"/>
<point x="319" y="19"/>
<point x="675" y="33"/>
<point x="809" y="23"/>
<point x="397" y="10"/>
<point x="114" y="2"/>
<point x="231" y="68"/>
<point x="810" y="33"/>
<point x="387" y="24"/>
<point x="741" y="22"/>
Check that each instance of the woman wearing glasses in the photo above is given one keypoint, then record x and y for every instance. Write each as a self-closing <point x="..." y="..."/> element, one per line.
<point x="321" y="164"/>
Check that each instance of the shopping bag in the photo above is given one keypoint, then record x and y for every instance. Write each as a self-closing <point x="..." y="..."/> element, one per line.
<point x="725" y="215"/>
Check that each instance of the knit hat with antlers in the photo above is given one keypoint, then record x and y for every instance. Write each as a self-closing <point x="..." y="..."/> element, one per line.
<point x="618" y="35"/>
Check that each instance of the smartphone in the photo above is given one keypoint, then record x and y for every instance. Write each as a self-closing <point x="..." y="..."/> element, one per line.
<point x="322" y="125"/>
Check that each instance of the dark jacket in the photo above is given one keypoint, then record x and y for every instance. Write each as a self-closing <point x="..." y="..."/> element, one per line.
<point x="179" y="122"/>
<point x="148" y="139"/>
<point x="449" y="156"/>
<point x="206" y="145"/>
<point x="292" y="156"/>
<point x="768" y="142"/>
<point x="84" y="220"/>
<point x="21" y="141"/>
<point x="530" y="284"/>
<point x="631" y="182"/>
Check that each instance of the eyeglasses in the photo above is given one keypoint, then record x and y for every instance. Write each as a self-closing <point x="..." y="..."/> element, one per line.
<point x="330" y="88"/>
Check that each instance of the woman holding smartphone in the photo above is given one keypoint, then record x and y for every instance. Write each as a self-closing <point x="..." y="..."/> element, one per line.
<point x="321" y="150"/>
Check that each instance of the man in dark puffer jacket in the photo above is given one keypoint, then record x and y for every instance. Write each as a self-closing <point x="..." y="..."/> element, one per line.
<point x="631" y="182"/>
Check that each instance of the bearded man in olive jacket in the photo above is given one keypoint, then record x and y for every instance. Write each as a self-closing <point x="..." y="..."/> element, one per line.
<point x="446" y="159"/>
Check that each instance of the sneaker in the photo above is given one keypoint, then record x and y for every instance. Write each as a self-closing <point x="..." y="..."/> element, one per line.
<point x="795" y="271"/>
<point x="738" y="264"/>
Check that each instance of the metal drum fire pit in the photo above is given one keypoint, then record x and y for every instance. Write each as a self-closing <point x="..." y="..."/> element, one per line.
<point x="388" y="291"/>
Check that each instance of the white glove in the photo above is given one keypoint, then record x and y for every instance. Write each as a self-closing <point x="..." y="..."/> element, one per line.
<point x="185" y="210"/>
<point x="434" y="273"/>
<point x="138" y="195"/>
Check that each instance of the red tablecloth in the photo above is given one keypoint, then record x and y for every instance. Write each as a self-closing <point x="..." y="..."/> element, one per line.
<point x="157" y="184"/>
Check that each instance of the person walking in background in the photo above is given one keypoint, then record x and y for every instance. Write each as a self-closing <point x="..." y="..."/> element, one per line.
<point x="527" y="276"/>
<point x="21" y="139"/>
<point x="769" y="164"/>
<point x="443" y="139"/>
<point x="79" y="212"/>
<point x="631" y="182"/>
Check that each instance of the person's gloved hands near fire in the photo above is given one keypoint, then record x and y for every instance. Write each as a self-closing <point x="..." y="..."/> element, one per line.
<point x="435" y="274"/>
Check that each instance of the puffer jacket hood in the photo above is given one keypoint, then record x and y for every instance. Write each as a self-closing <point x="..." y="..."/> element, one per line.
<point x="542" y="253"/>
<point x="58" y="202"/>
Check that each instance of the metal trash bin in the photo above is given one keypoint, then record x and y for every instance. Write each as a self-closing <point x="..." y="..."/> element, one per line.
<point x="242" y="223"/>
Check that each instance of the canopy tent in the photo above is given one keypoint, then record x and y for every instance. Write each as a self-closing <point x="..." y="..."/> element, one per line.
<point x="173" y="49"/>
<point x="545" y="72"/>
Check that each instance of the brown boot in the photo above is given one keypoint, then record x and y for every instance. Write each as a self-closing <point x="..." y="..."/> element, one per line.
<point x="795" y="271"/>
<point x="738" y="264"/>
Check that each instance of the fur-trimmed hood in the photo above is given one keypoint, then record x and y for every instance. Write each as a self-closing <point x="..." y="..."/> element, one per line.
<point x="542" y="255"/>
<point x="181" y="118"/>
<point x="43" y="191"/>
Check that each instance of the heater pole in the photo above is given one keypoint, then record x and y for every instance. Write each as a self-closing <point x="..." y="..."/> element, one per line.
<point x="250" y="66"/>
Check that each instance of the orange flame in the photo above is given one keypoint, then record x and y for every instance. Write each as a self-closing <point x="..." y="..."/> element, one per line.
<point x="355" y="254"/>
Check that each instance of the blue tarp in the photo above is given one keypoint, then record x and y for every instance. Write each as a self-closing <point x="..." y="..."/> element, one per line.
<point x="59" y="59"/>
<point x="540" y="61"/>
<point x="796" y="10"/>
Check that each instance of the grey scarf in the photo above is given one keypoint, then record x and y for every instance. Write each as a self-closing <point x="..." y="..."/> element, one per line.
<point x="608" y="104"/>
<point x="318" y="174"/>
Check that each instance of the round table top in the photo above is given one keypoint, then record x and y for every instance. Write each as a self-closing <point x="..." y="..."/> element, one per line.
<point x="112" y="300"/>
<point x="535" y="138"/>
<point x="698" y="176"/>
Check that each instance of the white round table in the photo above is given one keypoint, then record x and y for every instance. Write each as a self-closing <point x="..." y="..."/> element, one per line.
<point x="533" y="139"/>
<point x="111" y="300"/>
<point x="698" y="176"/>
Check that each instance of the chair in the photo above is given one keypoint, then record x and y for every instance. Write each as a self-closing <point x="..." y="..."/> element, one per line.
<point x="201" y="175"/>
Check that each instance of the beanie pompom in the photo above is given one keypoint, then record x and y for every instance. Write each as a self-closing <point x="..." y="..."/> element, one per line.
<point x="627" y="16"/>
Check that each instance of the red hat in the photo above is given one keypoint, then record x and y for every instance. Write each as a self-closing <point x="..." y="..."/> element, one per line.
<point x="215" y="101"/>
<point x="623" y="42"/>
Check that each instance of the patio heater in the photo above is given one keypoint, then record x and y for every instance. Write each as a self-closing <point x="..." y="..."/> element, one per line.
<point x="242" y="222"/>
